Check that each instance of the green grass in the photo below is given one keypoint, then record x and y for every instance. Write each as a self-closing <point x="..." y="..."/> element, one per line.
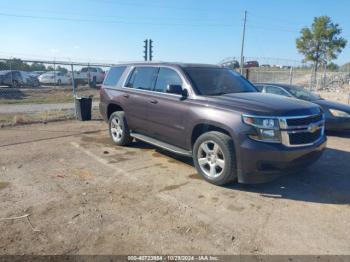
<point x="40" y="117"/>
<point x="37" y="100"/>
<point x="51" y="96"/>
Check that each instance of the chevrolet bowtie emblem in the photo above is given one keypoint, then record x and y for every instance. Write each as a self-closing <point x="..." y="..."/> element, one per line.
<point x="312" y="128"/>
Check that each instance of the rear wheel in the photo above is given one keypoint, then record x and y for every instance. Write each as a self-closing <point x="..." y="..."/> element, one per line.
<point x="214" y="158"/>
<point x="118" y="129"/>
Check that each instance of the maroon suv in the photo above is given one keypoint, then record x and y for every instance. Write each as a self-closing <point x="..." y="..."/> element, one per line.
<point x="214" y="115"/>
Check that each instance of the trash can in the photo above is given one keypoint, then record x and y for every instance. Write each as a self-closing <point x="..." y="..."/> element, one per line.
<point x="83" y="108"/>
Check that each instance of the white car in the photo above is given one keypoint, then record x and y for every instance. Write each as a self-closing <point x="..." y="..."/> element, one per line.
<point x="90" y="74"/>
<point x="55" y="77"/>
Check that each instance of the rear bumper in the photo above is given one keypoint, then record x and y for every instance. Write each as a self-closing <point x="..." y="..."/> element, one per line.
<point x="261" y="162"/>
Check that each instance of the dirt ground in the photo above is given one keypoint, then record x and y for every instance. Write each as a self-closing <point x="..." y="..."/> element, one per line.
<point x="83" y="195"/>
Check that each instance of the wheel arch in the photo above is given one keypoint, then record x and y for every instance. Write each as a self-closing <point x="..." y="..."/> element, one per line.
<point x="207" y="126"/>
<point x="111" y="108"/>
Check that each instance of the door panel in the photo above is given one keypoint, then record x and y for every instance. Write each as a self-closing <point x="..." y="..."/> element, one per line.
<point x="167" y="112"/>
<point x="136" y="98"/>
<point x="167" y="118"/>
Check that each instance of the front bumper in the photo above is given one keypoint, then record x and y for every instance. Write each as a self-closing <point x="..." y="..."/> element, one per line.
<point x="262" y="162"/>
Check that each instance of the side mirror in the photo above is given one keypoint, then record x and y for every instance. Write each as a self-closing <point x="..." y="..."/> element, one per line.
<point x="177" y="89"/>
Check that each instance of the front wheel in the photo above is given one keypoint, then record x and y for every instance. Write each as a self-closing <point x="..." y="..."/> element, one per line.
<point x="118" y="129"/>
<point x="214" y="158"/>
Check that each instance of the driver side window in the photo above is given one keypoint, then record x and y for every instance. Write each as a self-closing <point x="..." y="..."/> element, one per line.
<point x="167" y="76"/>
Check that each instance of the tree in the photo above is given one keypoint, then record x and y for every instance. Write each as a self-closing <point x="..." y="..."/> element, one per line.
<point x="322" y="42"/>
<point x="37" y="67"/>
<point x="61" y="69"/>
<point x="332" y="66"/>
<point x="17" y="64"/>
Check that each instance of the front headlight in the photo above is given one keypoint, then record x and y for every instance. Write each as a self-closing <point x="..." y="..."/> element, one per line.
<point x="338" y="113"/>
<point x="267" y="129"/>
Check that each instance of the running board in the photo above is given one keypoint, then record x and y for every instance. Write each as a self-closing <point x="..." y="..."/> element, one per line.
<point x="161" y="144"/>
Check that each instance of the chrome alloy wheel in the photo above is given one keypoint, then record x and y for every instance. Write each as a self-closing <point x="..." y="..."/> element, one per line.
<point x="116" y="129"/>
<point x="211" y="159"/>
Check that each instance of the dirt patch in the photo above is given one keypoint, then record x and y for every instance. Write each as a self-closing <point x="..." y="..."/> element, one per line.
<point x="195" y="176"/>
<point x="173" y="187"/>
<point x="235" y="208"/>
<point x="97" y="140"/>
<point x="82" y="173"/>
<point x="3" y="185"/>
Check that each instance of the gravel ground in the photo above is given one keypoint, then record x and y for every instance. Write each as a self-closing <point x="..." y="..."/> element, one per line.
<point x="84" y="195"/>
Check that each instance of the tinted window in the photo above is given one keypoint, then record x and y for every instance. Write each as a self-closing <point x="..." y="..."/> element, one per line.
<point x="259" y="87"/>
<point x="142" y="78"/>
<point x="218" y="81"/>
<point x="302" y="93"/>
<point x="167" y="77"/>
<point x="114" y="75"/>
<point x="275" y="90"/>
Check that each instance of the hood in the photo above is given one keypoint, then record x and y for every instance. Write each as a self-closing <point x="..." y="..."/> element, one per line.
<point x="264" y="104"/>
<point x="326" y="104"/>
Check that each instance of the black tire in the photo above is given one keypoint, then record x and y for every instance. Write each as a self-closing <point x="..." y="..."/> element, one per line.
<point x="124" y="138"/>
<point x="226" y="174"/>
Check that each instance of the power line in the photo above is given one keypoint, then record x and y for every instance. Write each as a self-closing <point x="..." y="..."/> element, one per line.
<point x="113" y="21"/>
<point x="49" y="11"/>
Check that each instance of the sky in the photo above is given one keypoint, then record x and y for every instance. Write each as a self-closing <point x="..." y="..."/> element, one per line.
<point x="205" y="31"/>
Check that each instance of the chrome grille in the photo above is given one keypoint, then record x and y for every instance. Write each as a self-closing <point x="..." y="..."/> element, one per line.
<point x="304" y="121"/>
<point x="302" y="130"/>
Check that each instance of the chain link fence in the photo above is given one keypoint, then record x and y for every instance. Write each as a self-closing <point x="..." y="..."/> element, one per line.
<point x="330" y="84"/>
<point x="42" y="91"/>
<point x="34" y="91"/>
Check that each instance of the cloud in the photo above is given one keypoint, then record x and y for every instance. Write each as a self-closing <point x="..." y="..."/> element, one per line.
<point x="54" y="50"/>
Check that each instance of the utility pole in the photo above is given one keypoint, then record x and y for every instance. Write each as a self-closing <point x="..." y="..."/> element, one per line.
<point x="145" y="56"/>
<point x="243" y="36"/>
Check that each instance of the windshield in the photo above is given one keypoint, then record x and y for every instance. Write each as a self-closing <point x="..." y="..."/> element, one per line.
<point x="302" y="93"/>
<point x="212" y="81"/>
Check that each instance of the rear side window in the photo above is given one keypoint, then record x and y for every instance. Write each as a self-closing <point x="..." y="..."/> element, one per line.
<point x="142" y="78"/>
<point x="167" y="77"/>
<point x="114" y="75"/>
